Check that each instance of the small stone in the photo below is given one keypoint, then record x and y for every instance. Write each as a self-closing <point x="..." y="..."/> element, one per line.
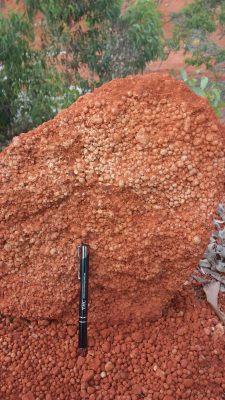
<point x="137" y="389"/>
<point x="28" y="396"/>
<point x="197" y="141"/>
<point x="196" y="239"/>
<point x="209" y="137"/>
<point x="55" y="370"/>
<point x="163" y="152"/>
<point x="71" y="330"/>
<point x="87" y="375"/>
<point x="103" y="374"/>
<point x="91" y="340"/>
<point x="195" y="182"/>
<point x="53" y="251"/>
<point x="97" y="120"/>
<point x="142" y="137"/>
<point x="83" y="394"/>
<point x="121" y="183"/>
<point x="160" y="373"/>
<point x="134" y="353"/>
<point x="201" y="118"/>
<point x="117" y="137"/>
<point x="81" y="180"/>
<point x="90" y="389"/>
<point x="106" y="347"/>
<point x="137" y="336"/>
<point x="184" y="363"/>
<point x="80" y="361"/>
<point x="207" y="330"/>
<point x="182" y="331"/>
<point x="123" y="348"/>
<point x="188" y="382"/>
<point x="109" y="366"/>
<point x="214" y="128"/>
<point x="218" y="330"/>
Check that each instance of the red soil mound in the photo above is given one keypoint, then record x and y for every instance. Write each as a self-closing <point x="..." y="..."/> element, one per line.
<point x="136" y="170"/>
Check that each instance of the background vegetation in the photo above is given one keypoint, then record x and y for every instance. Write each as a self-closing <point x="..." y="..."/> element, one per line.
<point x="193" y="29"/>
<point x="84" y="44"/>
<point x="37" y="80"/>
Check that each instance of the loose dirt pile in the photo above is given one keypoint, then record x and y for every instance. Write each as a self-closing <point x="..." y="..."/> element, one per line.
<point x="181" y="356"/>
<point x="135" y="169"/>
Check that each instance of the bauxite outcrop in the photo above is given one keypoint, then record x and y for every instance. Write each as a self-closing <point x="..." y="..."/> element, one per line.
<point x="135" y="169"/>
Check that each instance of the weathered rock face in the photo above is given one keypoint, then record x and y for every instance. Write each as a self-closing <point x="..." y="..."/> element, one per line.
<point x="135" y="169"/>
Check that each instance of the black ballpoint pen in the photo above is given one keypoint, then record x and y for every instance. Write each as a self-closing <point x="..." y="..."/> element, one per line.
<point x="83" y="254"/>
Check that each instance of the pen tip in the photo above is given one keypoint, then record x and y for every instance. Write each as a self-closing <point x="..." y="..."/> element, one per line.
<point x="82" y="352"/>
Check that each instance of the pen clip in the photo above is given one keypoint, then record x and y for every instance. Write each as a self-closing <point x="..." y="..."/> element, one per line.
<point x="78" y="256"/>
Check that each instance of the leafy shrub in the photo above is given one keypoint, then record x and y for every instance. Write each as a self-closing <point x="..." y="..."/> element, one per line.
<point x="112" y="44"/>
<point x="194" y="23"/>
<point x="31" y="89"/>
<point x="203" y="87"/>
<point x="93" y="35"/>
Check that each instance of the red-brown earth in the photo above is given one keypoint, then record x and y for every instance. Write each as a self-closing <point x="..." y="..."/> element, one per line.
<point x="136" y="170"/>
<point x="179" y="357"/>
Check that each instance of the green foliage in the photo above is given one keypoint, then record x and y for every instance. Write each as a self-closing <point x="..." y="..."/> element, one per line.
<point x="192" y="29"/>
<point x="75" y="36"/>
<point x="145" y="29"/>
<point x="198" y="59"/>
<point x="97" y="35"/>
<point x="222" y="15"/>
<point x="198" y="16"/>
<point x="31" y="89"/>
<point x="60" y="12"/>
<point x="15" y="34"/>
<point x="203" y="87"/>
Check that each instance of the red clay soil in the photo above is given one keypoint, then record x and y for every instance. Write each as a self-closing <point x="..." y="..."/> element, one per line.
<point x="135" y="169"/>
<point x="50" y="192"/>
<point x="180" y="356"/>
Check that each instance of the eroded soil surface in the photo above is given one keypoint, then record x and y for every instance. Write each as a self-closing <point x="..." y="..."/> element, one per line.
<point x="136" y="170"/>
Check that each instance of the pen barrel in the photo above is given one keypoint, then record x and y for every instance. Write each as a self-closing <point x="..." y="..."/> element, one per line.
<point x="83" y="307"/>
<point x="82" y="341"/>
